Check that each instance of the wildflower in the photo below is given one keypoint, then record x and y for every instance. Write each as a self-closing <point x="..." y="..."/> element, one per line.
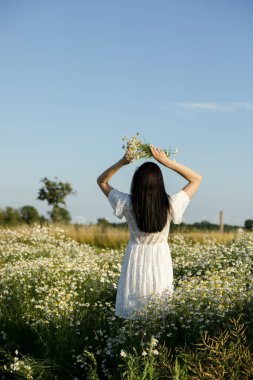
<point x="137" y="149"/>
<point x="123" y="354"/>
<point x="154" y="341"/>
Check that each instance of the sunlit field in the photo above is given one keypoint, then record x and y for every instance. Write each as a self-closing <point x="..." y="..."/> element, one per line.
<point x="57" y="320"/>
<point x="112" y="237"/>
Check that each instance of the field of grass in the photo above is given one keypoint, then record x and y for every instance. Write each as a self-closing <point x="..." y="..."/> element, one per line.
<point x="57" y="320"/>
<point x="99" y="236"/>
<point x="112" y="237"/>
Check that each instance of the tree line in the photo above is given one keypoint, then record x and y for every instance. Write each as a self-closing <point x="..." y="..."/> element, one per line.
<point x="54" y="192"/>
<point x="183" y="227"/>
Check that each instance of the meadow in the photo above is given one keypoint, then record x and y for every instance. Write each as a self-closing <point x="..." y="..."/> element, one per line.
<point x="104" y="236"/>
<point x="57" y="296"/>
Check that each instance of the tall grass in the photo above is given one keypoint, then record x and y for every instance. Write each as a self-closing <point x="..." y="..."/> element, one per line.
<point x="115" y="237"/>
<point x="99" y="236"/>
<point x="226" y="356"/>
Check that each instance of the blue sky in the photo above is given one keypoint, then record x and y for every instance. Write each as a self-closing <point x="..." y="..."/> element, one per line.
<point x="76" y="76"/>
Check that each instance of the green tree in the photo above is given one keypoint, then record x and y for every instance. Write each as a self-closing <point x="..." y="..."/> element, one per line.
<point x="103" y="222"/>
<point x="1" y="217"/>
<point x="60" y="215"/>
<point x="55" y="192"/>
<point x="248" y="224"/>
<point x="29" y="214"/>
<point x="10" y="217"/>
<point x="43" y="220"/>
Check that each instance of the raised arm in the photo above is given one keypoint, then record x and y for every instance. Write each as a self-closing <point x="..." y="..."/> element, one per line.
<point x="104" y="178"/>
<point x="190" y="175"/>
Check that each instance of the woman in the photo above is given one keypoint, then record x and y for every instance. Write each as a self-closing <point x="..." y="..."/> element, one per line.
<point x="147" y="266"/>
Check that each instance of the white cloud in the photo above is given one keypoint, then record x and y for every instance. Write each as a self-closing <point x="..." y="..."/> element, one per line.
<point x="221" y="107"/>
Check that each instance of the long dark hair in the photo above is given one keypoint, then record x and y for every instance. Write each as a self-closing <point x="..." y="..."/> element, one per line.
<point x="150" y="203"/>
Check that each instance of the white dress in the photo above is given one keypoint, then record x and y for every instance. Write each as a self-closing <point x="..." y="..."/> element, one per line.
<point x="147" y="265"/>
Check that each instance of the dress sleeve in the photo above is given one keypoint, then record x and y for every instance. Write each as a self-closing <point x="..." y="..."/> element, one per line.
<point x="179" y="201"/>
<point x="118" y="201"/>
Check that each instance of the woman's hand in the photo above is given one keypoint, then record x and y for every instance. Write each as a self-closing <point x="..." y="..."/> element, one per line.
<point x="125" y="160"/>
<point x="190" y="175"/>
<point x="158" y="154"/>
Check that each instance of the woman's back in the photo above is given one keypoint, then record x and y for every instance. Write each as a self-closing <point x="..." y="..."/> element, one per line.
<point x="147" y="264"/>
<point x="121" y="204"/>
